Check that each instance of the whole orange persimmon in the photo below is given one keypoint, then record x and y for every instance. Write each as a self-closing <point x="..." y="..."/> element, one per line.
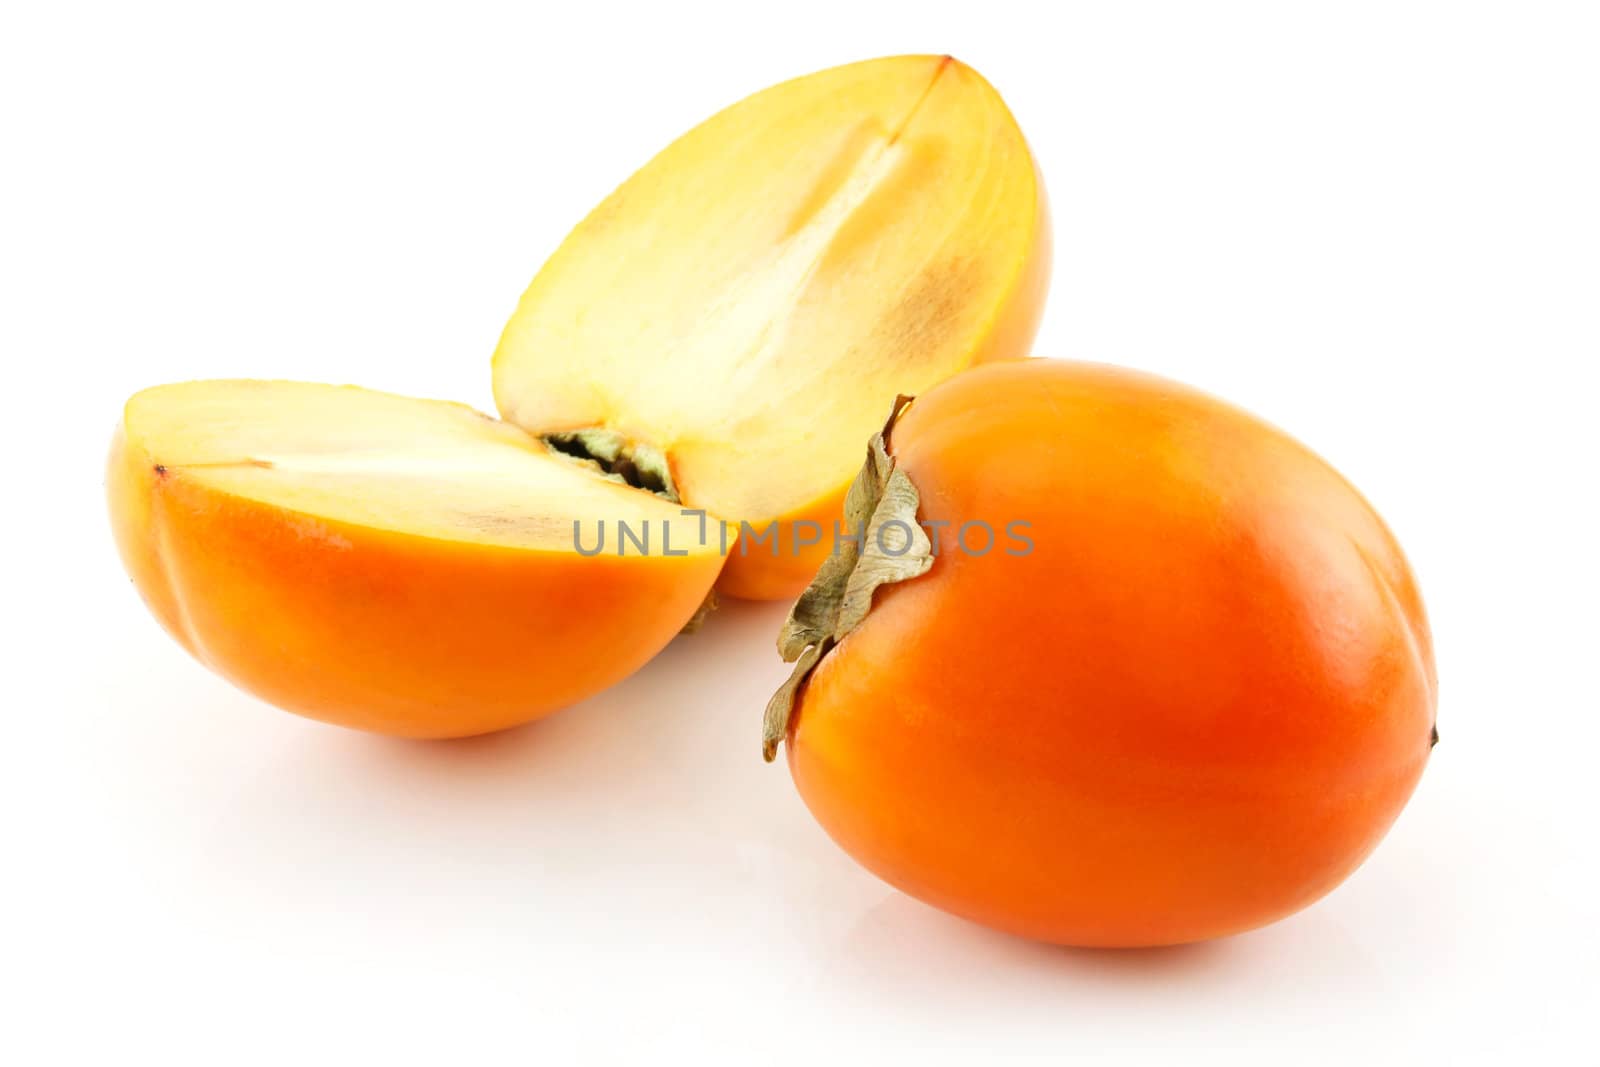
<point x="1116" y="663"/>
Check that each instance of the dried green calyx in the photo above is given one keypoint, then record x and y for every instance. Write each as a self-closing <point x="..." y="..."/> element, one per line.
<point x="887" y="546"/>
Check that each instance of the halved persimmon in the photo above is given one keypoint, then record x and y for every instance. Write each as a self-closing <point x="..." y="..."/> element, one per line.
<point x="1166" y="678"/>
<point x="748" y="302"/>
<point x="710" y="343"/>
<point x="406" y="566"/>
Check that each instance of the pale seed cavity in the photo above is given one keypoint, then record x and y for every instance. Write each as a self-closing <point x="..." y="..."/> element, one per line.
<point x="630" y="463"/>
<point x="889" y="546"/>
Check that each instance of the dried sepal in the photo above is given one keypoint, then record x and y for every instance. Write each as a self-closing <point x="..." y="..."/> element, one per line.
<point x="813" y="616"/>
<point x="894" y="549"/>
<point x="886" y="545"/>
<point x="775" y="723"/>
<point x="701" y="614"/>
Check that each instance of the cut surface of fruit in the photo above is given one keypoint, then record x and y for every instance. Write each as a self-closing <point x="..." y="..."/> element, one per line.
<point x="421" y="467"/>
<point x="712" y="343"/>
<point x="407" y="566"/>
<point x="750" y="301"/>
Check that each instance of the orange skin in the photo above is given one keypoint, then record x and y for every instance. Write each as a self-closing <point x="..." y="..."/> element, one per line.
<point x="1194" y="708"/>
<point x="383" y="631"/>
<point x="776" y="569"/>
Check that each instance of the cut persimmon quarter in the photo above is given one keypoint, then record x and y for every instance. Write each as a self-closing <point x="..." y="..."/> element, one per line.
<point x="712" y="343"/>
<point x="406" y="566"/>
<point x="750" y="301"/>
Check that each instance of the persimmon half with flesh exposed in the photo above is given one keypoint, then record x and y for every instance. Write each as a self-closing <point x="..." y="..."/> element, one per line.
<point x="713" y="339"/>
<point x="1166" y="677"/>
<point x="398" y="565"/>
<point x="749" y="301"/>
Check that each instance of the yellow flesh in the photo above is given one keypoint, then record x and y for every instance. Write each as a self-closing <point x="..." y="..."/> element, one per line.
<point x="752" y="300"/>
<point x="373" y="459"/>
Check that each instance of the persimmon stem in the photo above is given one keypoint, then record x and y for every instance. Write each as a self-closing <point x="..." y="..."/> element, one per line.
<point x="888" y="546"/>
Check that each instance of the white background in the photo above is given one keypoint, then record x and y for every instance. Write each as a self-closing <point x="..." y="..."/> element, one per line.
<point x="1375" y="224"/>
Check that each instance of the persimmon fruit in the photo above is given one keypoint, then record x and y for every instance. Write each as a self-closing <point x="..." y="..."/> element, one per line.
<point x="398" y="565"/>
<point x="1185" y="698"/>
<point x="750" y="300"/>
<point x="697" y="361"/>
